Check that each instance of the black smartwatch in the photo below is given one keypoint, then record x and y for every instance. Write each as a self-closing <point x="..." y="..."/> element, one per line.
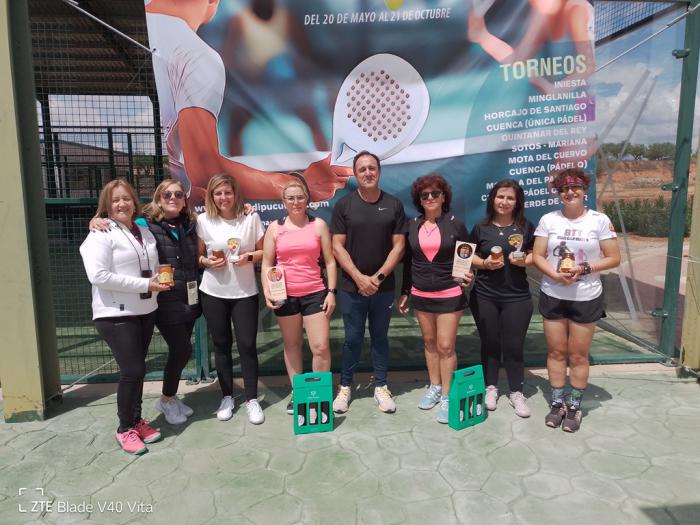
<point x="381" y="277"/>
<point x="334" y="291"/>
<point x="250" y="257"/>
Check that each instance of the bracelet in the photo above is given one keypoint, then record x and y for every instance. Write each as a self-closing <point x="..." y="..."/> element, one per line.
<point x="200" y="261"/>
<point x="303" y="181"/>
<point x="586" y="268"/>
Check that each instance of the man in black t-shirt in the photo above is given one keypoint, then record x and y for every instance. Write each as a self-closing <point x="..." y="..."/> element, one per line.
<point x="368" y="242"/>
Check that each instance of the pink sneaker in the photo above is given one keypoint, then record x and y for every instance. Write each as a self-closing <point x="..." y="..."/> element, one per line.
<point x="146" y="432"/>
<point x="130" y="442"/>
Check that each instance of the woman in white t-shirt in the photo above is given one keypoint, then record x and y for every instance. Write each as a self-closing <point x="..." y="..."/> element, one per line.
<point x="230" y="243"/>
<point x="572" y="246"/>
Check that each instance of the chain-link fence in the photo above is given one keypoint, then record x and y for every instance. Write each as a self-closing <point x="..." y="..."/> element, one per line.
<point x="98" y="119"/>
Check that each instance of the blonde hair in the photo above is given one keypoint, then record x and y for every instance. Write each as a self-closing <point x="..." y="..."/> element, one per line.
<point x="104" y="202"/>
<point x="216" y="181"/>
<point x="296" y="183"/>
<point x="154" y="211"/>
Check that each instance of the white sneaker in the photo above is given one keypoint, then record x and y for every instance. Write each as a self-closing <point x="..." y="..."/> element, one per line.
<point x="341" y="402"/>
<point x="519" y="403"/>
<point x="171" y="410"/>
<point x="184" y="409"/>
<point x="382" y="396"/>
<point x="491" y="398"/>
<point x="255" y="413"/>
<point x="225" y="410"/>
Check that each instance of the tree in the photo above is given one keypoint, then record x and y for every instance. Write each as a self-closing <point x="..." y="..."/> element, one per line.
<point x="661" y="151"/>
<point x="638" y="151"/>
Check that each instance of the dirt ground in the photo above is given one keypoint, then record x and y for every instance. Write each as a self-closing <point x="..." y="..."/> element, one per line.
<point x="638" y="179"/>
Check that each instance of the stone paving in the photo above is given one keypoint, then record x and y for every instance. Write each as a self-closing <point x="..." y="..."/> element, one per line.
<point x="636" y="460"/>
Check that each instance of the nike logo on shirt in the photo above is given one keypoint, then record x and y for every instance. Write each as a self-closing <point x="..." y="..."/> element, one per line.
<point x="382" y="209"/>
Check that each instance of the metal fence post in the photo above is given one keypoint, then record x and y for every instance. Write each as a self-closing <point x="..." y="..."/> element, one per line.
<point x="679" y="187"/>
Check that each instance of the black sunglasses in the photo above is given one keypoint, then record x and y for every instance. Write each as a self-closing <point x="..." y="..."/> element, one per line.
<point x="169" y="194"/>
<point x="430" y="194"/>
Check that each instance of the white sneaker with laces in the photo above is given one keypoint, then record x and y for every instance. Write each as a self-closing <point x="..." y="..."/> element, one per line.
<point x="341" y="403"/>
<point x="184" y="409"/>
<point x="519" y="403"/>
<point x="491" y="398"/>
<point x="225" y="410"/>
<point x="171" y="410"/>
<point x="254" y="411"/>
<point x="382" y="396"/>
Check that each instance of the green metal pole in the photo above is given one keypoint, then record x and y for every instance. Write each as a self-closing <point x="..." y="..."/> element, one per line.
<point x="679" y="187"/>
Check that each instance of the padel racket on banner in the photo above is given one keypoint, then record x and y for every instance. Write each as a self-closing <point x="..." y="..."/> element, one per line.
<point x="381" y="107"/>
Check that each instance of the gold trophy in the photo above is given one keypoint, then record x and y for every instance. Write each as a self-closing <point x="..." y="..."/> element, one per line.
<point x="233" y="246"/>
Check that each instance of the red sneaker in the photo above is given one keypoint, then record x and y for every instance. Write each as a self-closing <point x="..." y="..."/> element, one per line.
<point x="130" y="442"/>
<point x="146" y="432"/>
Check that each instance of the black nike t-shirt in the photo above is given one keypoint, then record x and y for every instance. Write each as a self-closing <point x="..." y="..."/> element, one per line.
<point x="368" y="227"/>
<point x="508" y="283"/>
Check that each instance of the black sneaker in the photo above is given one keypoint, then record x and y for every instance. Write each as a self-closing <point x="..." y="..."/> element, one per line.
<point x="555" y="416"/>
<point x="572" y="421"/>
<point x="290" y="407"/>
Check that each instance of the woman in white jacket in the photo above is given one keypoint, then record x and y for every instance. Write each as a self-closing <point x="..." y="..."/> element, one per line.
<point x="120" y="264"/>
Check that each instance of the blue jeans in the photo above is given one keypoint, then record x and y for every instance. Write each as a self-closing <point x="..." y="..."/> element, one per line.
<point x="356" y="309"/>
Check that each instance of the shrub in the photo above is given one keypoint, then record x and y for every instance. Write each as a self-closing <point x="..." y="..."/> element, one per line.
<point x="648" y="218"/>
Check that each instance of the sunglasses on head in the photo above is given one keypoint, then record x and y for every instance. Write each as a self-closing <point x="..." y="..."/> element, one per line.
<point x="425" y="195"/>
<point x="167" y="195"/>
<point x="573" y="187"/>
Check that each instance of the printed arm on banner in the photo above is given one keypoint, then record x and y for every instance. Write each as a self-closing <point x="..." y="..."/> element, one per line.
<point x="542" y="27"/>
<point x="577" y="22"/>
<point x="200" y="148"/>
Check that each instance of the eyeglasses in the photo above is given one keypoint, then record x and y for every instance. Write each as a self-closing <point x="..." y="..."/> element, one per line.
<point x="574" y="188"/>
<point x="167" y="195"/>
<point x="295" y="198"/>
<point x="425" y="195"/>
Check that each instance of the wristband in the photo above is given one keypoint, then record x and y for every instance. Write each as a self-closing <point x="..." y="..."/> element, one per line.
<point x="586" y="268"/>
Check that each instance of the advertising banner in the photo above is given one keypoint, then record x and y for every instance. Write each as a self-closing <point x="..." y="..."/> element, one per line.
<point x="475" y="90"/>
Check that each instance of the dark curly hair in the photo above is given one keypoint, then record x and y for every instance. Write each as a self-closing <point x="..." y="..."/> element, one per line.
<point x="435" y="180"/>
<point x="559" y="178"/>
<point x="518" y="209"/>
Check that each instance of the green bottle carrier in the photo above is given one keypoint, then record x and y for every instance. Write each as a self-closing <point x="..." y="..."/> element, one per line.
<point x="313" y="402"/>
<point x="467" y="404"/>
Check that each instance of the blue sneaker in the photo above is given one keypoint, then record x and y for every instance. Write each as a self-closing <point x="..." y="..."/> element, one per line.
<point x="430" y="398"/>
<point x="444" y="413"/>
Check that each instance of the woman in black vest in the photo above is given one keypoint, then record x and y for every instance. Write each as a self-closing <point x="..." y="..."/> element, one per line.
<point x="427" y="280"/>
<point x="173" y="225"/>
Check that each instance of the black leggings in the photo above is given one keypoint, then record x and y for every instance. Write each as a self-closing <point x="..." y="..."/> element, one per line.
<point x="179" y="340"/>
<point x="128" y="338"/>
<point x="502" y="329"/>
<point x="244" y="314"/>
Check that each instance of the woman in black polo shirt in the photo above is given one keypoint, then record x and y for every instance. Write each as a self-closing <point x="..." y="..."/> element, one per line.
<point x="500" y="301"/>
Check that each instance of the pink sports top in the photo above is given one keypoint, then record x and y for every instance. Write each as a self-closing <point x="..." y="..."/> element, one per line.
<point x="430" y="244"/>
<point x="299" y="252"/>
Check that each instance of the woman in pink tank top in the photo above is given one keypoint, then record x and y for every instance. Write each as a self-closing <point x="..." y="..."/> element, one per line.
<point x="301" y="245"/>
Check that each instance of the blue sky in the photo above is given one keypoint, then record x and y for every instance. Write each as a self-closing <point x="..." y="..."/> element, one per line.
<point x="614" y="83"/>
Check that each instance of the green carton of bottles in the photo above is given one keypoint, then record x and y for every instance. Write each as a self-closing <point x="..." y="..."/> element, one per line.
<point x="313" y="402"/>
<point x="467" y="407"/>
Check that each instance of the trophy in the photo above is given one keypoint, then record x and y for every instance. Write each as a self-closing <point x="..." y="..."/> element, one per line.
<point x="233" y="246"/>
<point x="462" y="260"/>
<point x="276" y="285"/>
<point x="566" y="261"/>
<point x="516" y="241"/>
